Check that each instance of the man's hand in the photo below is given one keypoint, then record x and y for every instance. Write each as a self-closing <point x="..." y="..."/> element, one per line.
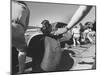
<point x="60" y="31"/>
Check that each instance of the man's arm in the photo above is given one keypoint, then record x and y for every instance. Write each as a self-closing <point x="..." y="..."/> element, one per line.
<point x="77" y="17"/>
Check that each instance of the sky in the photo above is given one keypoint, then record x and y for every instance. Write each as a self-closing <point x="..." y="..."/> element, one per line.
<point x="54" y="13"/>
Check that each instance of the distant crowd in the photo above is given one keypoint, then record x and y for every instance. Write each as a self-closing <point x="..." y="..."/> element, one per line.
<point x="84" y="33"/>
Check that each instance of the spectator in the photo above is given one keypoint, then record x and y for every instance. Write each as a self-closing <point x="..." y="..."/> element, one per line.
<point x="76" y="35"/>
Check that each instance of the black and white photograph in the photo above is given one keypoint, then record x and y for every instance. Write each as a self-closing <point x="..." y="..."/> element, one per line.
<point x="52" y="37"/>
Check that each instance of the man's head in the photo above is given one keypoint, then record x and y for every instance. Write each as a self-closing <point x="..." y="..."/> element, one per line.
<point x="89" y="24"/>
<point x="46" y="26"/>
<point x="45" y="23"/>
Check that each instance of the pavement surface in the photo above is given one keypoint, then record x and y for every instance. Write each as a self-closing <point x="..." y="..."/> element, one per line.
<point x="84" y="58"/>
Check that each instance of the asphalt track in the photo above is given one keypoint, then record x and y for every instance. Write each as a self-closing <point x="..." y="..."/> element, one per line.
<point x="84" y="58"/>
